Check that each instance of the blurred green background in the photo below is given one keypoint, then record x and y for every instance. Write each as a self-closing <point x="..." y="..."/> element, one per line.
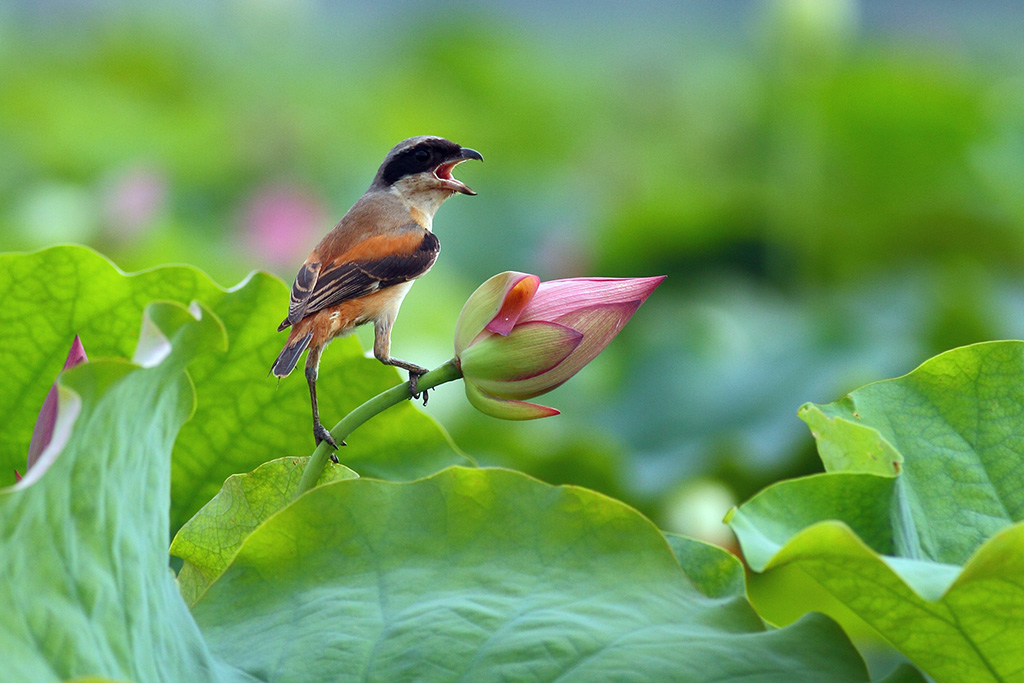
<point x="835" y="190"/>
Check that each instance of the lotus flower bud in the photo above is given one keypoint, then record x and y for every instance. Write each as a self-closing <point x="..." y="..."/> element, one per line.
<point x="518" y="337"/>
<point x="43" y="431"/>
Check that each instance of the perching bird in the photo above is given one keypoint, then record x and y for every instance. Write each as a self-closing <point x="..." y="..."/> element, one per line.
<point x="364" y="267"/>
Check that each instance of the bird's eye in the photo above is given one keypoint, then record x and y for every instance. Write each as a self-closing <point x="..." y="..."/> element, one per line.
<point x="421" y="155"/>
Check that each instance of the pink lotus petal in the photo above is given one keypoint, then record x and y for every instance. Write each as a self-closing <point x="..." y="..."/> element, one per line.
<point x="17" y="477"/>
<point x="43" y="431"/>
<point x="558" y="297"/>
<point x="76" y="356"/>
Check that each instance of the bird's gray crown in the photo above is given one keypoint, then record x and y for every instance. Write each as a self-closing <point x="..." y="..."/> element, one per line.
<point x="415" y="155"/>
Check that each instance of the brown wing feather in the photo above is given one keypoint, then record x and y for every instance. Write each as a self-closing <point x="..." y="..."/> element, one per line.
<point x="356" y="273"/>
<point x="302" y="288"/>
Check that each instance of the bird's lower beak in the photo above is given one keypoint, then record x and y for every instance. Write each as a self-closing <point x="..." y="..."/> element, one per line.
<point x="444" y="171"/>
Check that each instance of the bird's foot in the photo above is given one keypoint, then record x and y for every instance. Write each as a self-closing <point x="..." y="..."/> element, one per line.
<point x="321" y="434"/>
<point x="414" y="392"/>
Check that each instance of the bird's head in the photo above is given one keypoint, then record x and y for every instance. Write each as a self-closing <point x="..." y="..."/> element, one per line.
<point x="421" y="168"/>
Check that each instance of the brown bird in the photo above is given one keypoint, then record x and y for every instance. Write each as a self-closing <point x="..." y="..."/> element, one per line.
<point x="364" y="267"/>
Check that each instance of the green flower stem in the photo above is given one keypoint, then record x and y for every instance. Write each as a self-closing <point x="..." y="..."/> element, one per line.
<point x="378" y="404"/>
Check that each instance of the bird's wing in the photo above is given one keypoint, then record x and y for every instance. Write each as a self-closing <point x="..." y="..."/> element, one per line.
<point x="302" y="288"/>
<point x="371" y="265"/>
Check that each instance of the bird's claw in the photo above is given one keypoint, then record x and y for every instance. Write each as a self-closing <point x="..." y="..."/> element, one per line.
<point x="414" y="392"/>
<point x="321" y="434"/>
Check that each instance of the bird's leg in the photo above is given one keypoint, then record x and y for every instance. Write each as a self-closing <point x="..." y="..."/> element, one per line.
<point x="382" y="352"/>
<point x="319" y="432"/>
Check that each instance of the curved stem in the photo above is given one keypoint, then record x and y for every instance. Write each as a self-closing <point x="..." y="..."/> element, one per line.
<point x="379" y="403"/>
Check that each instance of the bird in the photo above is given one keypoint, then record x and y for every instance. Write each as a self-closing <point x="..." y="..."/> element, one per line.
<point x="362" y="269"/>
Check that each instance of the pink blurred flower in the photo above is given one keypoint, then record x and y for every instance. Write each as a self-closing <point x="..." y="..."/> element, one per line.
<point x="133" y="199"/>
<point x="43" y="432"/>
<point x="517" y="337"/>
<point x="281" y="223"/>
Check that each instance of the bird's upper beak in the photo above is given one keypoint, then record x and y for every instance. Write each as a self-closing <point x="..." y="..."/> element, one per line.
<point x="444" y="171"/>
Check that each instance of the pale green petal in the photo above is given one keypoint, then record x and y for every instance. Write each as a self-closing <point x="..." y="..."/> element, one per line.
<point x="503" y="408"/>
<point x="506" y="293"/>
<point x="529" y="351"/>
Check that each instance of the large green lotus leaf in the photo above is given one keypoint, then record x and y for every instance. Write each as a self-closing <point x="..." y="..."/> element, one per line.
<point x="49" y="297"/>
<point x="243" y="416"/>
<point x="479" y="575"/>
<point x="916" y="528"/>
<point x="958" y="423"/>
<point x="86" y="590"/>
<point x="904" y="673"/>
<point x="209" y="540"/>
<point x="715" y="572"/>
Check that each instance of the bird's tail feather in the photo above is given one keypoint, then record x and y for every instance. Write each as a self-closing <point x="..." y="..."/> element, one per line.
<point x="289" y="356"/>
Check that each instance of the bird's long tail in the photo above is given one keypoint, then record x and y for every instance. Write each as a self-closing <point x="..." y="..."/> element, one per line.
<point x="289" y="355"/>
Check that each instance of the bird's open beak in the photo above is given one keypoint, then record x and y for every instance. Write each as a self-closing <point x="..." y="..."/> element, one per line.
<point x="444" y="171"/>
